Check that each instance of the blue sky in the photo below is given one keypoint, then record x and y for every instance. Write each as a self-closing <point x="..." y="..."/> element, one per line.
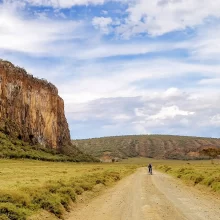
<point x="122" y="66"/>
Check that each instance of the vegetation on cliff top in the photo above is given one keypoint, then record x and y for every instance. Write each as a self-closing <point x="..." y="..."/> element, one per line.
<point x="152" y="146"/>
<point x="21" y="71"/>
<point x="14" y="149"/>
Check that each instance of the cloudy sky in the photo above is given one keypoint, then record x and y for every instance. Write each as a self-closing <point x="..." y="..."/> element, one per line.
<point x="122" y="66"/>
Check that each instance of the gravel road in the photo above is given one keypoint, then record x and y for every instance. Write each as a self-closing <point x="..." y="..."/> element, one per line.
<point x="149" y="197"/>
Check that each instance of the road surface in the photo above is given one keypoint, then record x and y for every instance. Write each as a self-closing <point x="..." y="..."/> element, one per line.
<point x="149" y="197"/>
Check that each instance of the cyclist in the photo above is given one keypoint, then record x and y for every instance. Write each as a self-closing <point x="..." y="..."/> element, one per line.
<point x="150" y="168"/>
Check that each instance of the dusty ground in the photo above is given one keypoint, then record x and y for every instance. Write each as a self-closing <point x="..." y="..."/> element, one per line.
<point x="157" y="197"/>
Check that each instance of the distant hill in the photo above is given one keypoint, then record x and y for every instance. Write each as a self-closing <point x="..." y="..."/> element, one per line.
<point x="152" y="146"/>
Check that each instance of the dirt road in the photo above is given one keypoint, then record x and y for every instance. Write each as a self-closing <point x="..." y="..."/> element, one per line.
<point x="142" y="196"/>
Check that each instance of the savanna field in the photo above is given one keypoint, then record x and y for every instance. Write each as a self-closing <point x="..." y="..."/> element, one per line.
<point x="29" y="187"/>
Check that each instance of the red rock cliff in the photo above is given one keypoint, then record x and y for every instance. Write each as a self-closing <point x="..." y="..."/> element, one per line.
<point x="31" y="109"/>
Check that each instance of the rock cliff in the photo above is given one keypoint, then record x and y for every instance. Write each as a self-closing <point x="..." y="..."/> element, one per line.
<point x="31" y="109"/>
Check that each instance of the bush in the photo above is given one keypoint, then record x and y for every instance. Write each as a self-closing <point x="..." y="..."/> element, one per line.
<point x="19" y="199"/>
<point x="12" y="212"/>
<point x="199" y="179"/>
<point x="4" y="217"/>
<point x="78" y="190"/>
<point x="49" y="202"/>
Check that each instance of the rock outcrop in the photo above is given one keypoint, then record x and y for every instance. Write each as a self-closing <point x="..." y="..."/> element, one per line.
<point x="31" y="109"/>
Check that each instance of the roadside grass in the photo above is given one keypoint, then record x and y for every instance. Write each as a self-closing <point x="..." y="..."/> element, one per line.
<point x="206" y="174"/>
<point x="195" y="172"/>
<point x="30" y="186"/>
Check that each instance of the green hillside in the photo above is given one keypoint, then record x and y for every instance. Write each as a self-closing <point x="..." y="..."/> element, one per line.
<point x="15" y="148"/>
<point x="152" y="146"/>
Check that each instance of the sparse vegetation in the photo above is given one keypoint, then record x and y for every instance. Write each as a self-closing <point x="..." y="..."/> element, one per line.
<point x="211" y="152"/>
<point x="205" y="173"/>
<point x="50" y="186"/>
<point x="151" y="146"/>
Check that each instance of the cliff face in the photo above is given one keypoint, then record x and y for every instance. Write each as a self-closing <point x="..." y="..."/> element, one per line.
<point x="30" y="108"/>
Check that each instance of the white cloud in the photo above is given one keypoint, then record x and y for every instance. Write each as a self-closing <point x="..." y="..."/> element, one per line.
<point x="163" y="16"/>
<point x="101" y="50"/>
<point x="215" y="120"/>
<point x="140" y="115"/>
<point x="122" y="117"/>
<point x="210" y="82"/>
<point x="173" y="92"/>
<point x="35" y="36"/>
<point x="170" y="112"/>
<point x="206" y="45"/>
<point x="140" y="129"/>
<point x="123" y="79"/>
<point x="102" y="23"/>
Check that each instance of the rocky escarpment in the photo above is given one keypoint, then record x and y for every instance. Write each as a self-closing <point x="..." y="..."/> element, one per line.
<point x="31" y="109"/>
<point x="153" y="146"/>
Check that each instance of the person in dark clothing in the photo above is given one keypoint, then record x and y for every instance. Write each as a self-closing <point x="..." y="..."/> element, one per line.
<point x="150" y="168"/>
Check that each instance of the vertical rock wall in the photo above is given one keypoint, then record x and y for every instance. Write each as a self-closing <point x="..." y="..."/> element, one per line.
<point x="30" y="108"/>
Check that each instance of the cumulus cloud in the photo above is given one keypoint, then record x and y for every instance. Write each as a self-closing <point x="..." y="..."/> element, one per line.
<point x="170" y="112"/>
<point x="144" y="115"/>
<point x="163" y="16"/>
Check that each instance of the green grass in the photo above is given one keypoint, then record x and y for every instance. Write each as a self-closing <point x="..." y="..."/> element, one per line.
<point x="30" y="186"/>
<point x="206" y="173"/>
<point x="15" y="149"/>
<point x="197" y="173"/>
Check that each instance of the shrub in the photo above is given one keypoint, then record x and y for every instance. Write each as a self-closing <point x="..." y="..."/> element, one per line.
<point x="4" y="217"/>
<point x="68" y="191"/>
<point x="12" y="212"/>
<point x="19" y="199"/>
<point x="49" y="202"/>
<point x="199" y="179"/>
<point x="78" y="190"/>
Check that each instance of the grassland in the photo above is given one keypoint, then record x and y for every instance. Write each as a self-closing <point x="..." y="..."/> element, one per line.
<point x="197" y="173"/>
<point x="28" y="187"/>
<point x="205" y="174"/>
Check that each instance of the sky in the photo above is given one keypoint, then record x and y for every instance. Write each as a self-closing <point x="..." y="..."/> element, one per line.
<point x="122" y="66"/>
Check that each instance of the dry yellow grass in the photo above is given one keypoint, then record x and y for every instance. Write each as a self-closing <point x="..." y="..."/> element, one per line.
<point x="29" y="186"/>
